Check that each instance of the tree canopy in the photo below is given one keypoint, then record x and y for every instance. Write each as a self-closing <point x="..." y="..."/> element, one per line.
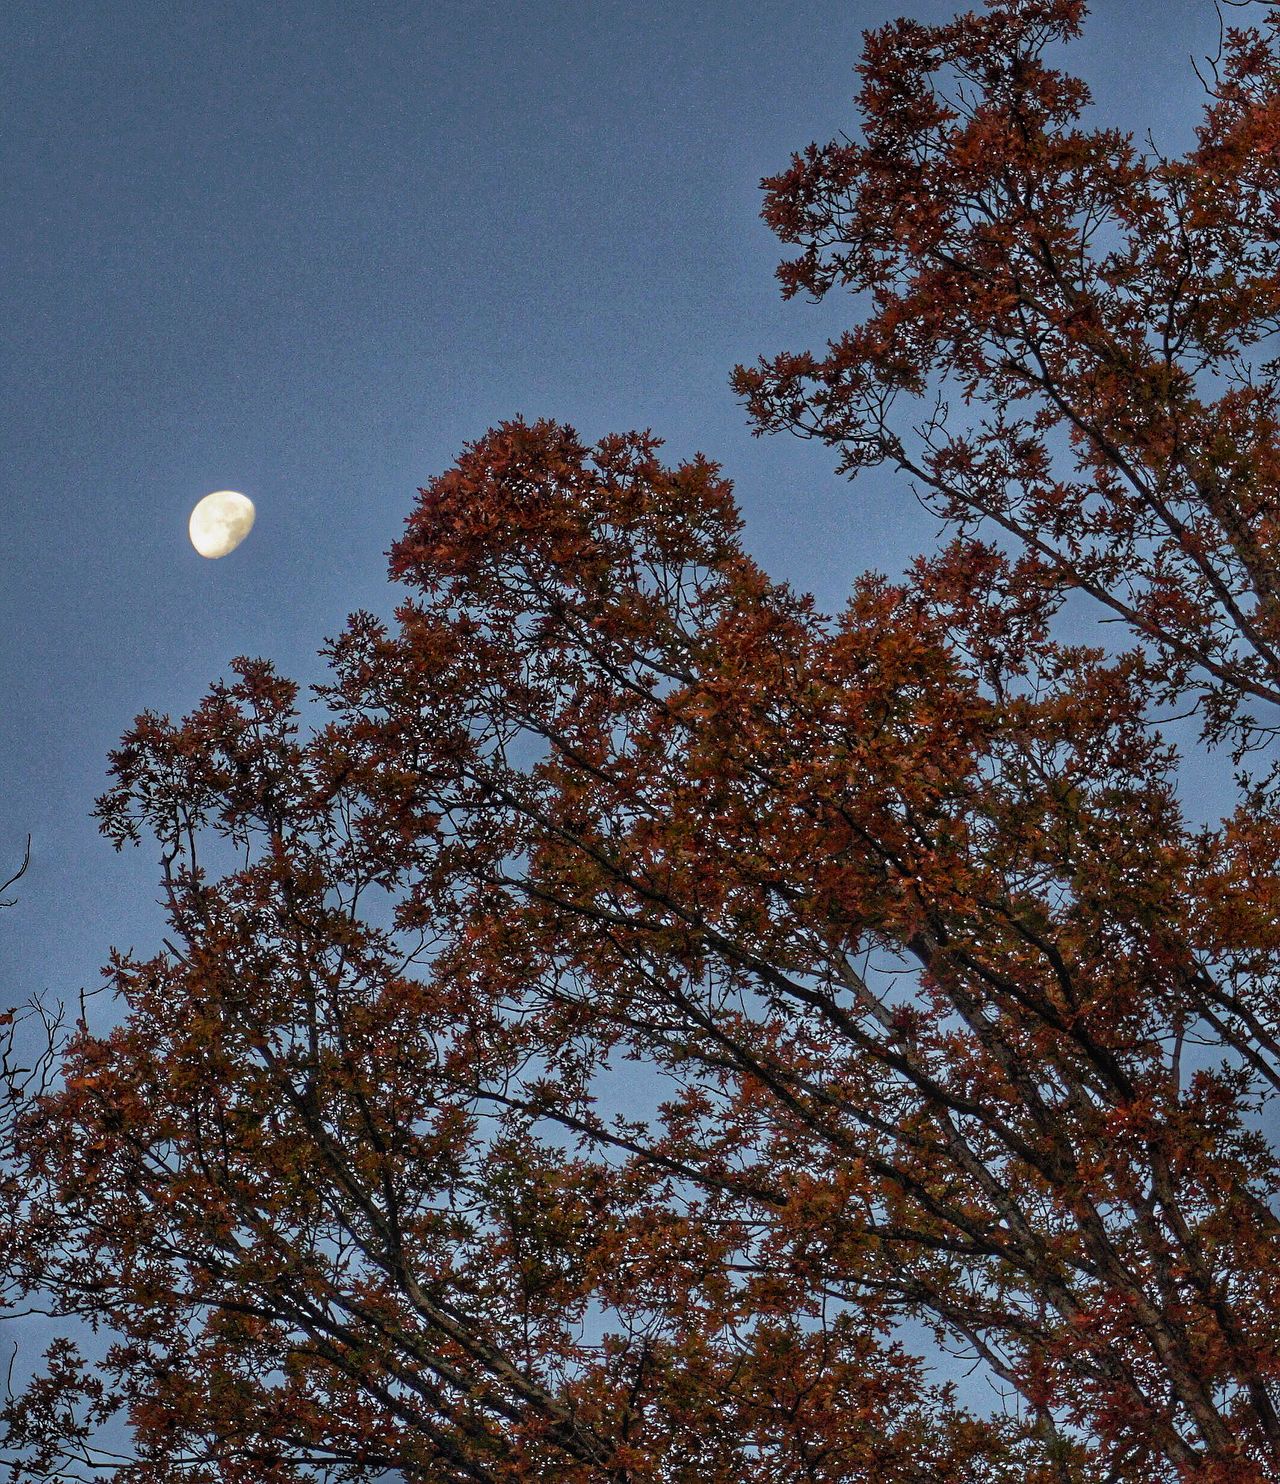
<point x="947" y="1009"/>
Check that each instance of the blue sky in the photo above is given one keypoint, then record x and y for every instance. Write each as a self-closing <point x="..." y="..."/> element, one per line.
<point x="309" y="250"/>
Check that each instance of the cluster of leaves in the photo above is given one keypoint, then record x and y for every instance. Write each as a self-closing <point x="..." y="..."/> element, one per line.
<point x="1101" y="317"/>
<point x="945" y="1013"/>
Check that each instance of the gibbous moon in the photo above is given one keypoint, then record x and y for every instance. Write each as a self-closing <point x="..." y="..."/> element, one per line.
<point x="220" y="522"/>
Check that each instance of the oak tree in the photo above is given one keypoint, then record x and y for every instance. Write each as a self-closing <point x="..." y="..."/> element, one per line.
<point x="640" y="995"/>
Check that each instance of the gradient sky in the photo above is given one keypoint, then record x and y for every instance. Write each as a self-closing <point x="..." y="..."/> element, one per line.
<point x="309" y="250"/>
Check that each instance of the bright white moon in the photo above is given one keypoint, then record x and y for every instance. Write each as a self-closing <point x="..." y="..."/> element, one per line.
<point x="220" y="522"/>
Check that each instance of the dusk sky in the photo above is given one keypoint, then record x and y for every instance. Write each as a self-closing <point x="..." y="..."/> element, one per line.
<point x="308" y="252"/>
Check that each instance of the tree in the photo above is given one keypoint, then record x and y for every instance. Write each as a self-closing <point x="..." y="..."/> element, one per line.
<point x="946" y="1010"/>
<point x="1101" y="315"/>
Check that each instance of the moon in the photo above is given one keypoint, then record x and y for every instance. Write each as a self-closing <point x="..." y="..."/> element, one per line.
<point x="220" y="522"/>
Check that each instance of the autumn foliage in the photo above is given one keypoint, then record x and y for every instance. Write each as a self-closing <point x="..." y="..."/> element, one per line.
<point x="647" y="1023"/>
